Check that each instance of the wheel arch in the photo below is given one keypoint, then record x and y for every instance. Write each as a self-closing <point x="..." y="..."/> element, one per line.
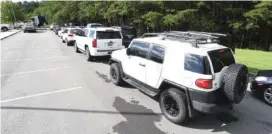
<point x="113" y="60"/>
<point x="166" y="84"/>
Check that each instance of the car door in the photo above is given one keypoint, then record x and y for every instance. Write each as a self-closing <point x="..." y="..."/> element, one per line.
<point x="81" y="39"/>
<point x="135" y="64"/>
<point x="154" y="65"/>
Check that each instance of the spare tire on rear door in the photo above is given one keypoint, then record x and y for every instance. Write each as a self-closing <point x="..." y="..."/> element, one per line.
<point x="235" y="82"/>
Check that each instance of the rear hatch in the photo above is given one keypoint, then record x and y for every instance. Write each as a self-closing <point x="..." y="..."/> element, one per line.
<point x="220" y="60"/>
<point x="109" y="40"/>
<point x="72" y="34"/>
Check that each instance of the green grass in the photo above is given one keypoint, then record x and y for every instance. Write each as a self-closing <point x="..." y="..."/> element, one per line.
<point x="253" y="59"/>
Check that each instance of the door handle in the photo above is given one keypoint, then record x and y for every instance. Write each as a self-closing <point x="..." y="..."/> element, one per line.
<point x="141" y="64"/>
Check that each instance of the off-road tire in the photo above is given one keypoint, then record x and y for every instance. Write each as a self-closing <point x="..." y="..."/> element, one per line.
<point x="235" y="82"/>
<point x="180" y="98"/>
<point x="88" y="56"/>
<point x="118" y="80"/>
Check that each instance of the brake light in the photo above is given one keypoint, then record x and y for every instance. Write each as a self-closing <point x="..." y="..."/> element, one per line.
<point x="204" y="83"/>
<point x="221" y="51"/>
<point x="94" y="43"/>
<point x="70" y="35"/>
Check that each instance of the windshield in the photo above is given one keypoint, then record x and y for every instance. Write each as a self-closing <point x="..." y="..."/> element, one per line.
<point x="108" y="35"/>
<point x="221" y="58"/>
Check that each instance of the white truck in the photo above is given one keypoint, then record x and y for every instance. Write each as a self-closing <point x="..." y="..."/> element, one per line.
<point x="5" y="27"/>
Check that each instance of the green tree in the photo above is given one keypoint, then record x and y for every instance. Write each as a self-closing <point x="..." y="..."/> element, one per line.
<point x="7" y="12"/>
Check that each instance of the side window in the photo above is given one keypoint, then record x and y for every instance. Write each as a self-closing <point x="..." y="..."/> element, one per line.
<point x="82" y="33"/>
<point x="157" y="54"/>
<point x="139" y="49"/>
<point x="196" y="63"/>
<point x="92" y="34"/>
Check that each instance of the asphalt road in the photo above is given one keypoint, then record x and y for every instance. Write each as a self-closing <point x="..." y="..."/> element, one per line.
<point x="48" y="88"/>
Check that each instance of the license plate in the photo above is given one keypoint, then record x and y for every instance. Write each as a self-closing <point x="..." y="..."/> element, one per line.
<point x="110" y="43"/>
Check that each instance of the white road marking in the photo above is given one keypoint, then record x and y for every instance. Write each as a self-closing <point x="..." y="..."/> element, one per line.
<point x="33" y="59"/>
<point x="41" y="94"/>
<point x="35" y="71"/>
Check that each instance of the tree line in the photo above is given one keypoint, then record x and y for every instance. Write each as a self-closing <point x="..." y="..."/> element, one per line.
<point x="248" y="22"/>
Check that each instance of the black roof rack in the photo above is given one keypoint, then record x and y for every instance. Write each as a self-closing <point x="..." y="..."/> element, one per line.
<point x="191" y="37"/>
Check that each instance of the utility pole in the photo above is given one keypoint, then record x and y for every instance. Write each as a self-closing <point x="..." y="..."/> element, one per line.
<point x="13" y="12"/>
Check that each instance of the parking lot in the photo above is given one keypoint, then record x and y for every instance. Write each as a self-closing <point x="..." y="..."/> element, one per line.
<point x="48" y="88"/>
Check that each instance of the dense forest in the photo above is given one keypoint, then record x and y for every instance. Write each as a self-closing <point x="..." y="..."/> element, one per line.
<point x="249" y="22"/>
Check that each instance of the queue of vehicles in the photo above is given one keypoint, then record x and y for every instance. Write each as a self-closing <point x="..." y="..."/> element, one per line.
<point x="206" y="78"/>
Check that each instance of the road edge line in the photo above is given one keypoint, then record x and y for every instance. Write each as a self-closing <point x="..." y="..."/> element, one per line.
<point x="11" y="34"/>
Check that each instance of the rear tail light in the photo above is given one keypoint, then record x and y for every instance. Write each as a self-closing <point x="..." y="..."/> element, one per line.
<point x="94" y="43"/>
<point x="70" y="35"/>
<point x="204" y="83"/>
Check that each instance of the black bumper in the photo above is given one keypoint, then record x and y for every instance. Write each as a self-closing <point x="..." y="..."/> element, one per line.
<point x="209" y="102"/>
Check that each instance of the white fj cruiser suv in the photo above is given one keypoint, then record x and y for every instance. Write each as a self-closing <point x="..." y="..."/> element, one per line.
<point x="190" y="72"/>
<point x="100" y="41"/>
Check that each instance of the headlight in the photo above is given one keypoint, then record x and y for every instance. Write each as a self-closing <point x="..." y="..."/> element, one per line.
<point x="261" y="78"/>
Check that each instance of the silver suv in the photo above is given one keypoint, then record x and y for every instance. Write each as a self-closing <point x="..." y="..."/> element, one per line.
<point x="29" y="27"/>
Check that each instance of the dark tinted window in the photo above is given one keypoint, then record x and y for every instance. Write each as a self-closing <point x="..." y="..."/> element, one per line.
<point x="65" y="31"/>
<point x="196" y="63"/>
<point x="108" y="35"/>
<point x="157" y="54"/>
<point x="81" y="33"/>
<point x="139" y="49"/>
<point x="96" y="25"/>
<point x="220" y="59"/>
<point x="74" y="31"/>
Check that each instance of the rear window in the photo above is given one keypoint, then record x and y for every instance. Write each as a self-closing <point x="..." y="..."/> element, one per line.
<point x="108" y="35"/>
<point x="74" y="31"/>
<point x="221" y="58"/>
<point x="197" y="64"/>
<point x="96" y="25"/>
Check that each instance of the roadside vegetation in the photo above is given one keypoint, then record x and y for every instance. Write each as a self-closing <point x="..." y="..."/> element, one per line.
<point x="254" y="59"/>
<point x="248" y="22"/>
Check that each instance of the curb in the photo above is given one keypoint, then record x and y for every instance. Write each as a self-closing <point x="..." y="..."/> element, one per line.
<point x="11" y="34"/>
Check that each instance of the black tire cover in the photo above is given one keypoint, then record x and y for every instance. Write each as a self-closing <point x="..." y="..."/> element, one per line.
<point x="235" y="82"/>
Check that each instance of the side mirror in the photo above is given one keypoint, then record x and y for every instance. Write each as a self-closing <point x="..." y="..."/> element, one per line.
<point x="128" y="51"/>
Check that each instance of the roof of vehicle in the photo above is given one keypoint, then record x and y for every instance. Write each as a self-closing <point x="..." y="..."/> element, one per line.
<point x="103" y="28"/>
<point x="130" y="27"/>
<point x="94" y="24"/>
<point x="181" y="44"/>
